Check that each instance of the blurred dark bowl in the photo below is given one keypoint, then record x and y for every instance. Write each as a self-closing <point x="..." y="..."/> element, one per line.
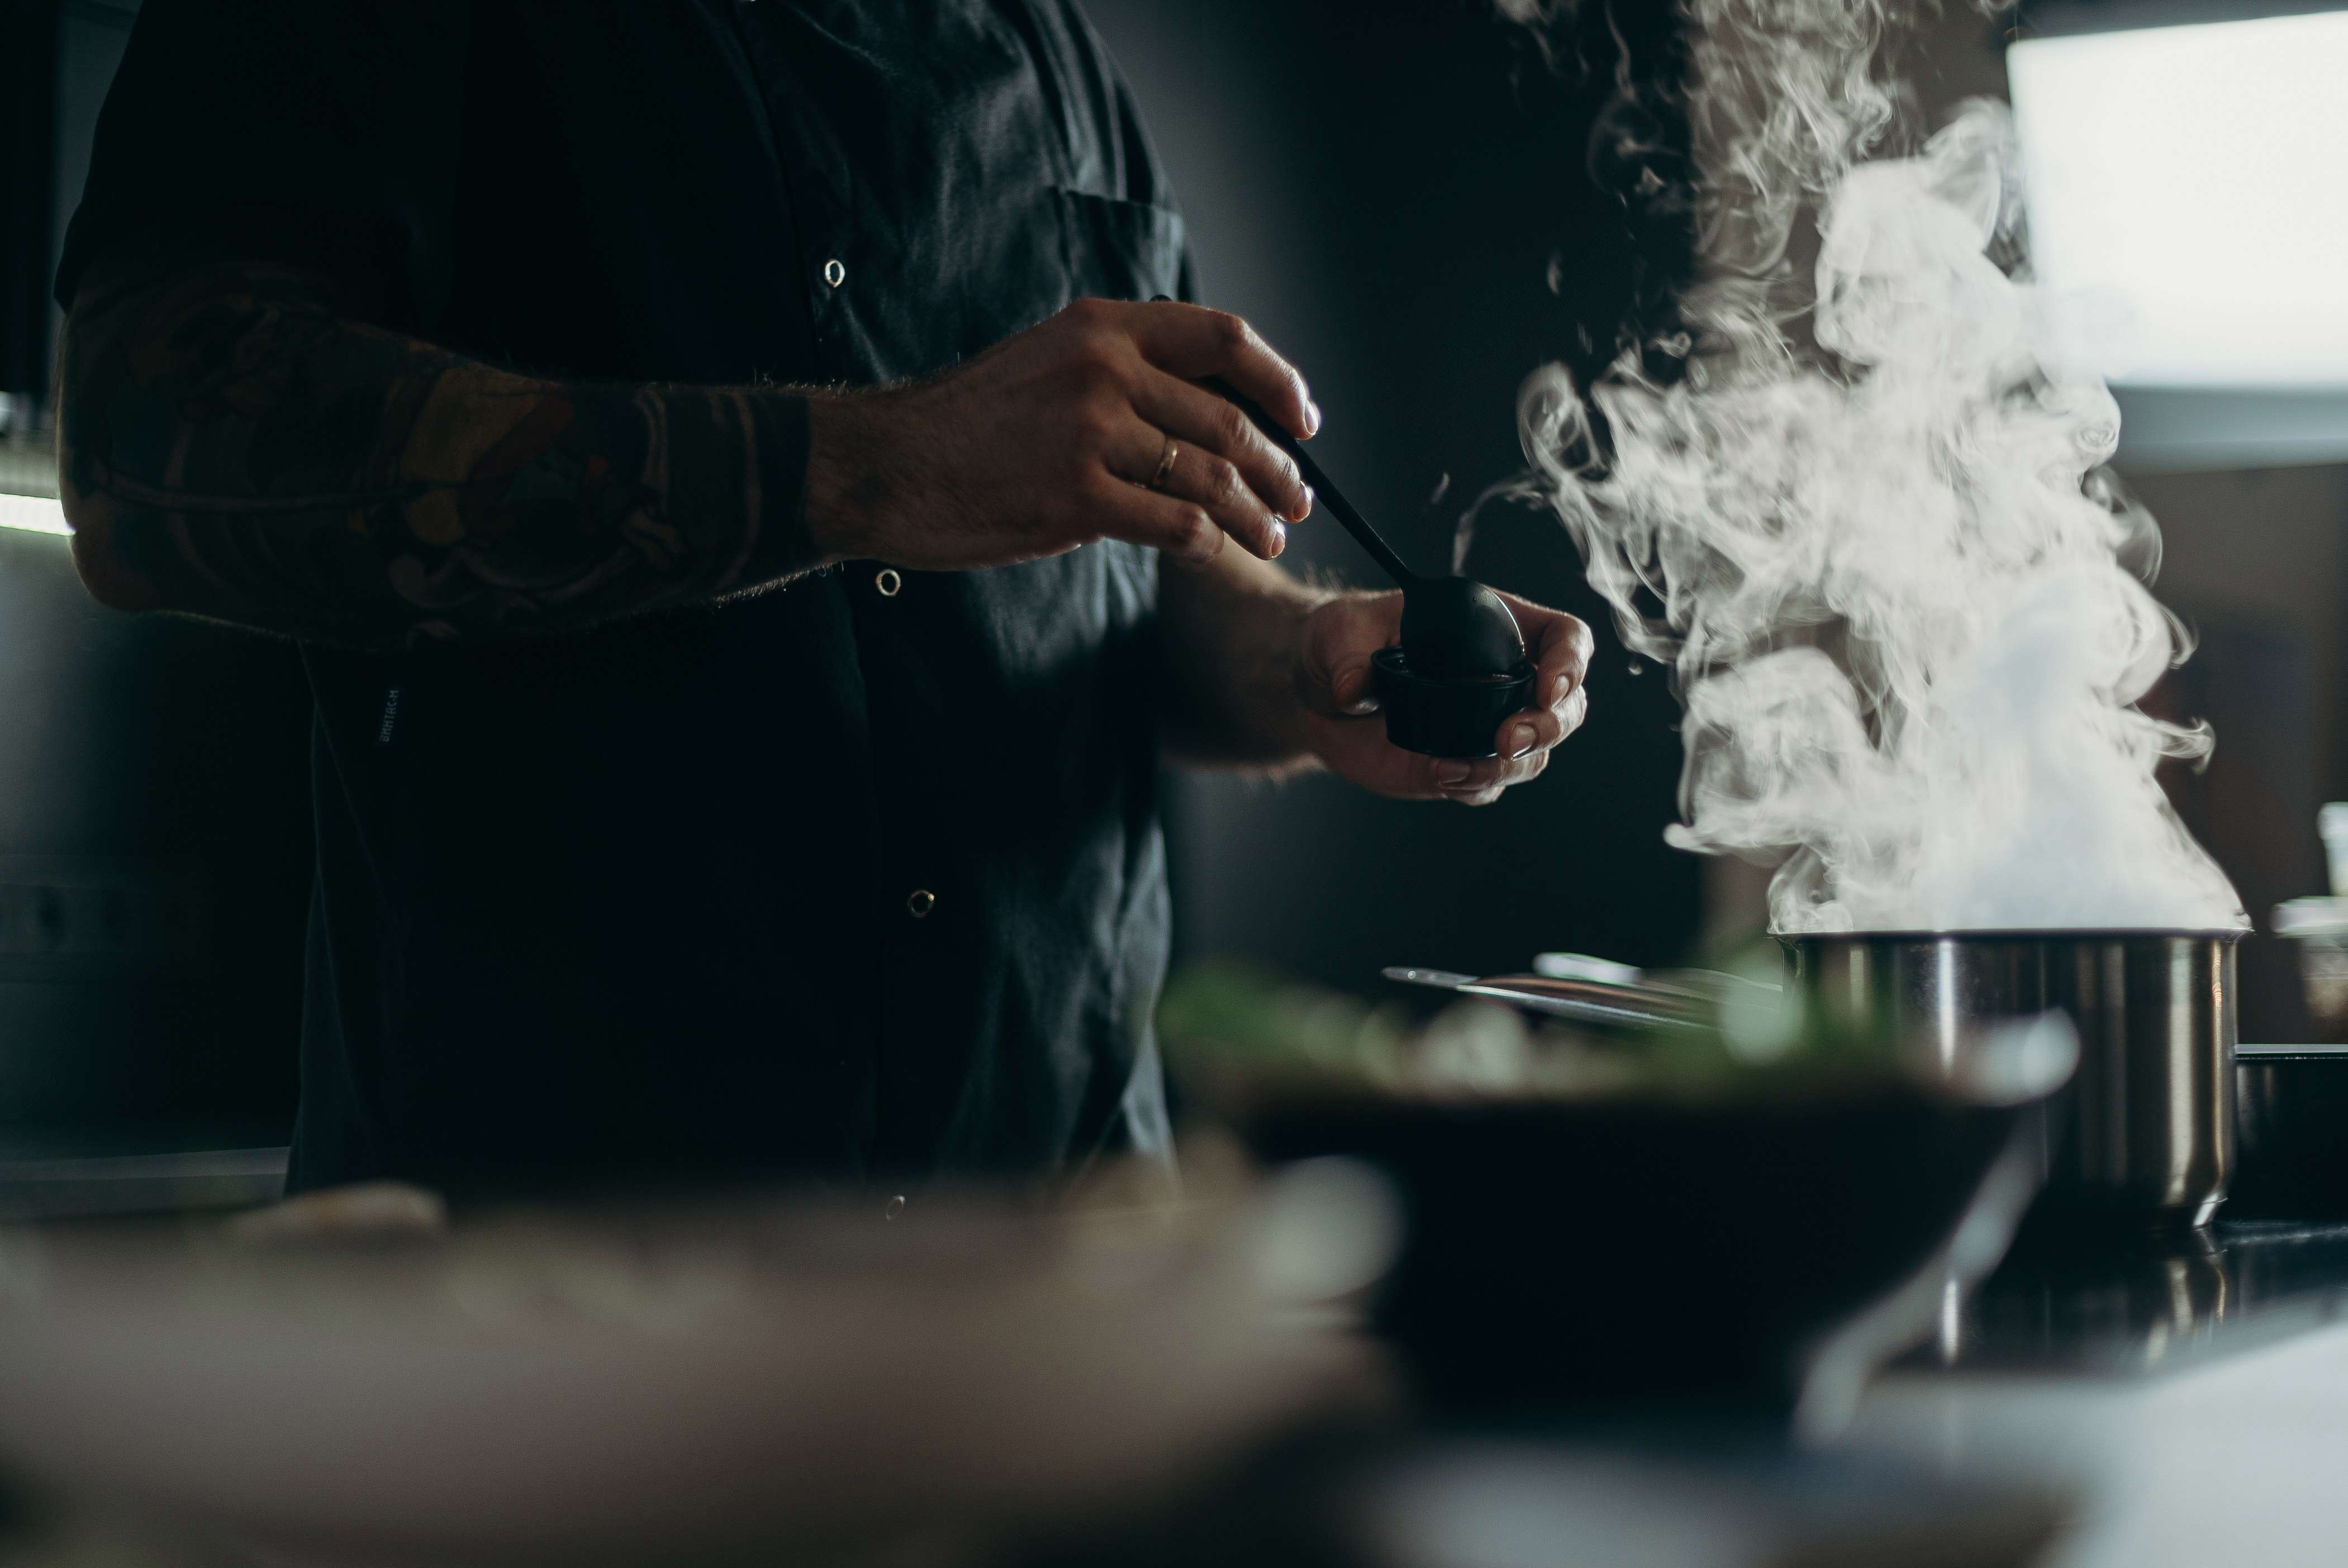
<point x="1611" y="1251"/>
<point x="2291" y="1121"/>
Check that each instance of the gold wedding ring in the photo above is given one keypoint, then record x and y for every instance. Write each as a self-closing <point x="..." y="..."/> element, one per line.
<point x="1165" y="464"/>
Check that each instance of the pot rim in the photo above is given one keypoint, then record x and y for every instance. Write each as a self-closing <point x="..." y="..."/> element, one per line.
<point x="2229" y="934"/>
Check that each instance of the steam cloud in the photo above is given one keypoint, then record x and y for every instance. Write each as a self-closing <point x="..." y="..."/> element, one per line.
<point x="1905" y="600"/>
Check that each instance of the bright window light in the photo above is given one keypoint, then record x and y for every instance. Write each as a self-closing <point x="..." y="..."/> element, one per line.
<point x="35" y="514"/>
<point x="2189" y="198"/>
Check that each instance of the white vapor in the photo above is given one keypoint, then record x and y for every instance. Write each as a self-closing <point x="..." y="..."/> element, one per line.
<point x="1905" y="601"/>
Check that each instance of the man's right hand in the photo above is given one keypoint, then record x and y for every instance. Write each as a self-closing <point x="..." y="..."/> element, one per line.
<point x="1051" y="440"/>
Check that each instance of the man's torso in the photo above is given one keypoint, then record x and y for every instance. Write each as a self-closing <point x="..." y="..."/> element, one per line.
<point x="858" y="879"/>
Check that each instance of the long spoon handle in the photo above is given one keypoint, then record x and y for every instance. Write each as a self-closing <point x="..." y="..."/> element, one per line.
<point x="1323" y="491"/>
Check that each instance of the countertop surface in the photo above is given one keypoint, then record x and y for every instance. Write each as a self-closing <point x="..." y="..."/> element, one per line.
<point x="2149" y="1305"/>
<point x="2174" y="1401"/>
<point x="143" y="1169"/>
<point x="2166" y="1402"/>
<point x="2195" y="1403"/>
<point x="2192" y="1396"/>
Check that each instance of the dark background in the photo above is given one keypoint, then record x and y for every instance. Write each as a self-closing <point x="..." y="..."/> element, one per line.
<point x="1382" y="186"/>
<point x="154" y="800"/>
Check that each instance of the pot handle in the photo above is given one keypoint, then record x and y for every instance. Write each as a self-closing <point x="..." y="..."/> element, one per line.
<point x="1650" y="1004"/>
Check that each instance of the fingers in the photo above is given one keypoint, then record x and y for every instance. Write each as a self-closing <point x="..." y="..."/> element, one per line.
<point x="1215" y="425"/>
<point x="1333" y="679"/>
<point x="1179" y="526"/>
<point x="1210" y="482"/>
<point x="1332" y="672"/>
<point x="1538" y="729"/>
<point x="1192" y="342"/>
<point x="1525" y="742"/>
<point x="1480" y="782"/>
<point x="1357" y="749"/>
<point x="1560" y="646"/>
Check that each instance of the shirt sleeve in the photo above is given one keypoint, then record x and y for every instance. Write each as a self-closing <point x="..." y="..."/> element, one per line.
<point x="319" y="133"/>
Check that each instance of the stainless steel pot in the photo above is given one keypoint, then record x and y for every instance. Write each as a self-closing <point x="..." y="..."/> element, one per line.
<point x="2145" y="1133"/>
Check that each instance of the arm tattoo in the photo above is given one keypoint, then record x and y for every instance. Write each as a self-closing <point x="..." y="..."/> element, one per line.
<point x="230" y="448"/>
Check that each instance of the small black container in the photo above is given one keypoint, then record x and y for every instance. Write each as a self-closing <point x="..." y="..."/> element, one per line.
<point x="2291" y="1110"/>
<point x="1455" y="716"/>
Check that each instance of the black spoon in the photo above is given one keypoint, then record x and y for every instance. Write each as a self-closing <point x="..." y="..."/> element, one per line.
<point x="1461" y="667"/>
<point x="1451" y="626"/>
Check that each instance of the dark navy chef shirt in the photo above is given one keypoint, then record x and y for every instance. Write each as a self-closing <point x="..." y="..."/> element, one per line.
<point x="859" y="881"/>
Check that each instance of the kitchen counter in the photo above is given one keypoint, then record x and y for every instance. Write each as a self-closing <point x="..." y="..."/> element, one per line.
<point x="140" y="1169"/>
<point x="2153" y="1307"/>
<point x="2179" y="1403"/>
<point x="2175" y="1403"/>
<point x="2207" y="1426"/>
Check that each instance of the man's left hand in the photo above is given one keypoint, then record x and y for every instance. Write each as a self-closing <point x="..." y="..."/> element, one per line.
<point x="1343" y="729"/>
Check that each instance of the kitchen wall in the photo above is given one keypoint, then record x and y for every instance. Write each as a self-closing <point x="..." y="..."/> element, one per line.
<point x="2255" y="561"/>
<point x="154" y="866"/>
<point x="28" y="176"/>
<point x="154" y="809"/>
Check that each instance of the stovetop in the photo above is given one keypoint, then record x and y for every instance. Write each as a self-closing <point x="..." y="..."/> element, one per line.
<point x="2150" y="1305"/>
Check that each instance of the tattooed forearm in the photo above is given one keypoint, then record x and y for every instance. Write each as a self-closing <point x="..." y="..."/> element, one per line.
<point x="232" y="448"/>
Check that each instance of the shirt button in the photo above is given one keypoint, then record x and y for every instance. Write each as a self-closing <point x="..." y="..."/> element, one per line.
<point x="888" y="582"/>
<point x="894" y="1208"/>
<point x="920" y="902"/>
<point x="835" y="273"/>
